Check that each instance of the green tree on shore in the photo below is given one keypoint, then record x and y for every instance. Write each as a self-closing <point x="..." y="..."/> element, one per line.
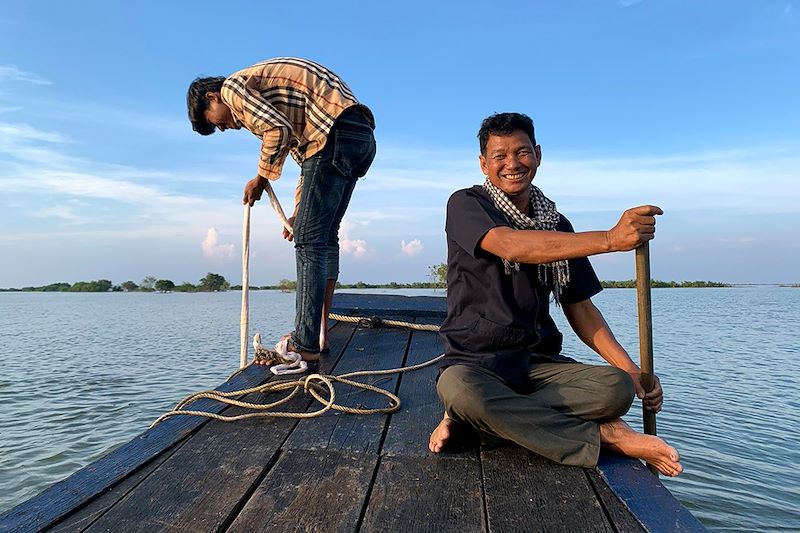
<point x="186" y="287"/>
<point x="214" y="282"/>
<point x="164" y="285"/>
<point x="286" y="285"/>
<point x="100" y="285"/>
<point x="438" y="275"/>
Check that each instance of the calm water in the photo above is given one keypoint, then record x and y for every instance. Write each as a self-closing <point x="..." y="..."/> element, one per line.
<point x="83" y="373"/>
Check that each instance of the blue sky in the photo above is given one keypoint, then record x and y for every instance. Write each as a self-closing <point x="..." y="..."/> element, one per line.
<point x="688" y="105"/>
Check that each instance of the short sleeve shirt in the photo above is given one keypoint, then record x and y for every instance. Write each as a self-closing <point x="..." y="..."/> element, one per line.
<point x="498" y="320"/>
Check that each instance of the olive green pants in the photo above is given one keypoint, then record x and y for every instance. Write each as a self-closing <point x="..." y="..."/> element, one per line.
<point x="557" y="413"/>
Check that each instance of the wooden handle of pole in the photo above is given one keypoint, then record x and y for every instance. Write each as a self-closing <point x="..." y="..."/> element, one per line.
<point x="645" y="329"/>
<point x="645" y="334"/>
<point x="245" y="316"/>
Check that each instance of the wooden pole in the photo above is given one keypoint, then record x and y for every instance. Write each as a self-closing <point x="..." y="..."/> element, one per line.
<point x="245" y="316"/>
<point x="645" y="334"/>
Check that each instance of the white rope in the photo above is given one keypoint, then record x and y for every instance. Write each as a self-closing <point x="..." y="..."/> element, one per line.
<point x="289" y="362"/>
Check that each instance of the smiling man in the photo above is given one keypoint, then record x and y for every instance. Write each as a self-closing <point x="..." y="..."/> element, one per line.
<point x="509" y="250"/>
<point x="297" y="107"/>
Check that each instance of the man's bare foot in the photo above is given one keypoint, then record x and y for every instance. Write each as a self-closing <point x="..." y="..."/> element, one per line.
<point x="444" y="432"/>
<point x="307" y="356"/>
<point x="620" y="437"/>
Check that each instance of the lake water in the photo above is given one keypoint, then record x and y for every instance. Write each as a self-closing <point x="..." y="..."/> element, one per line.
<point x="83" y="373"/>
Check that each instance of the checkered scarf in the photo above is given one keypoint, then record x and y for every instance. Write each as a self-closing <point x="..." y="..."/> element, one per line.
<point x="545" y="217"/>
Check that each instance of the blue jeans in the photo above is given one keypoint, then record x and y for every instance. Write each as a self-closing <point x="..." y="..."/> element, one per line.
<point x="329" y="177"/>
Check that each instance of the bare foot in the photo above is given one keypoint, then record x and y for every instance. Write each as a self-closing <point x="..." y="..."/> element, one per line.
<point x="307" y="356"/>
<point x="620" y="437"/>
<point x="446" y="430"/>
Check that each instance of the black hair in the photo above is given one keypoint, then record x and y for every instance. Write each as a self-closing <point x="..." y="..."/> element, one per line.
<point x="504" y="124"/>
<point x="197" y="103"/>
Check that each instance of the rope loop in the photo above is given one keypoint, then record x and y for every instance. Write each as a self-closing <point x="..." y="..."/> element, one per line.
<point x="319" y="386"/>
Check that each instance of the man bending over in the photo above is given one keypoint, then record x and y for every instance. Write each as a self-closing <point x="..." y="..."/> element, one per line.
<point x="509" y="250"/>
<point x="297" y="107"/>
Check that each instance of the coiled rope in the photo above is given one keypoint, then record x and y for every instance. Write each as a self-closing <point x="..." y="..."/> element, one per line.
<point x="314" y="384"/>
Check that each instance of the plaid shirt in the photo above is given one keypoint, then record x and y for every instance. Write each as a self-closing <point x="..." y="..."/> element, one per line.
<point x="290" y="104"/>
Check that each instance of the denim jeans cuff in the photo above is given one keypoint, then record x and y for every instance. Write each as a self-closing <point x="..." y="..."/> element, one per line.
<point x="301" y="346"/>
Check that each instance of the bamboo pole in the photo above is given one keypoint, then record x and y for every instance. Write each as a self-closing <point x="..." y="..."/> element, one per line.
<point x="645" y="334"/>
<point x="245" y="316"/>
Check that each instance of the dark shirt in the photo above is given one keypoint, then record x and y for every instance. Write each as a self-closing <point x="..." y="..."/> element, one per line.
<point x="498" y="320"/>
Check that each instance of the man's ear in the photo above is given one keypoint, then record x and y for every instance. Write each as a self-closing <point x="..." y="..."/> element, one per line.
<point x="484" y="167"/>
<point x="212" y="96"/>
<point x="538" y="151"/>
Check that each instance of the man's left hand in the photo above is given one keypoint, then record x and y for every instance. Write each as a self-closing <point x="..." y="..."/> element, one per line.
<point x="652" y="400"/>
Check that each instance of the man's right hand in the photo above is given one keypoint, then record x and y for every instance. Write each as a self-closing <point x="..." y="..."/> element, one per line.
<point x="253" y="190"/>
<point x="636" y="226"/>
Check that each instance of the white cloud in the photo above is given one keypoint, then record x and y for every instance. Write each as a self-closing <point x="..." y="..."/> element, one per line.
<point x="411" y="248"/>
<point x="732" y="180"/>
<point x="12" y="73"/>
<point x="62" y="213"/>
<point x="355" y="247"/>
<point x="213" y="249"/>
<point x="12" y="134"/>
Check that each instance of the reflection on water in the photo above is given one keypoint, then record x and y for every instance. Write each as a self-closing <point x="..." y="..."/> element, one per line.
<point x="83" y="373"/>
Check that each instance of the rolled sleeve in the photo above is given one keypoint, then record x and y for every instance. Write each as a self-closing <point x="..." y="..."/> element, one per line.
<point x="469" y="218"/>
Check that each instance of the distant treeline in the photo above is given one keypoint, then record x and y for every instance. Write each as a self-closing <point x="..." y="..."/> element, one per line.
<point x="290" y="285"/>
<point x="658" y="284"/>
<point x="215" y="282"/>
<point x="210" y="283"/>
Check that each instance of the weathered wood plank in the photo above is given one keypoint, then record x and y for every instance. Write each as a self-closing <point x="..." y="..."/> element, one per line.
<point x="645" y="496"/>
<point x="86" y="515"/>
<point x="421" y="409"/>
<point x="202" y="486"/>
<point x="339" y="336"/>
<point x="383" y="304"/>
<point x="369" y="349"/>
<point x="309" y="490"/>
<point x="63" y="497"/>
<point x="435" y="493"/>
<point x="526" y="492"/>
<point x="618" y="514"/>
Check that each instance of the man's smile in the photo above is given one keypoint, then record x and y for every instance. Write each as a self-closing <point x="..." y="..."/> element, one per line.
<point x="515" y="177"/>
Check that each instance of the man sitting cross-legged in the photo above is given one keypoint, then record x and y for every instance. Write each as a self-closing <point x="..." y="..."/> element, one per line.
<point x="509" y="250"/>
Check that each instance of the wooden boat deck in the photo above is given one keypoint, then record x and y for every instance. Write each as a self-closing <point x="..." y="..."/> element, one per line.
<point x="343" y="472"/>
